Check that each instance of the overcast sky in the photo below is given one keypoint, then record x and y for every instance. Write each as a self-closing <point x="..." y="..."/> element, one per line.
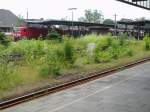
<point x="57" y="9"/>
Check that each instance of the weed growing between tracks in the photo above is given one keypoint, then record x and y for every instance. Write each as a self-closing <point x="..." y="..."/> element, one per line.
<point x="29" y="64"/>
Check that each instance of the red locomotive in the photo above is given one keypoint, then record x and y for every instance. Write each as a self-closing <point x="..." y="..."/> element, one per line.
<point x="29" y="32"/>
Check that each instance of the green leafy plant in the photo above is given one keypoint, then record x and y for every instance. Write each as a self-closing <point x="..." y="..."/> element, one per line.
<point x="54" y="36"/>
<point x="69" y="51"/>
<point x="8" y="77"/>
<point x="147" y="43"/>
<point x="122" y="38"/>
<point x="129" y="52"/>
<point x="103" y="57"/>
<point x="4" y="40"/>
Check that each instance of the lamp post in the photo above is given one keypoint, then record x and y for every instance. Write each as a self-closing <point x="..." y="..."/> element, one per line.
<point x="115" y="25"/>
<point x="27" y="14"/>
<point x="72" y="9"/>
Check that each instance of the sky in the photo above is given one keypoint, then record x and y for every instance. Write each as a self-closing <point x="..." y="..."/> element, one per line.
<point x="57" y="9"/>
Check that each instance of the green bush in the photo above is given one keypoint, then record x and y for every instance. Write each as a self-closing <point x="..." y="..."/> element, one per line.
<point x="54" y="36"/>
<point x="129" y="52"/>
<point x="114" y="52"/>
<point x="69" y="51"/>
<point x="50" y="70"/>
<point x="109" y="41"/>
<point x="102" y="57"/>
<point x="8" y="77"/>
<point x="102" y="50"/>
<point x="53" y="61"/>
<point x="122" y="38"/>
<point x="104" y="43"/>
<point x="44" y="71"/>
<point x="2" y="48"/>
<point x="147" y="43"/>
<point x="4" y="40"/>
<point x="114" y="49"/>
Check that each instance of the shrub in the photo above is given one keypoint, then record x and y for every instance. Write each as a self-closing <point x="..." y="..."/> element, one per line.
<point x="109" y="41"/>
<point x="114" y="52"/>
<point x="8" y="77"/>
<point x="103" y="47"/>
<point x="4" y="40"/>
<point x="122" y="38"/>
<point x="147" y="43"/>
<point x="103" y="57"/>
<point x="50" y="70"/>
<point x="44" y="71"/>
<point x="54" y="36"/>
<point x="104" y="44"/>
<point x="2" y="48"/>
<point x="129" y="52"/>
<point x="53" y="61"/>
<point x="69" y="51"/>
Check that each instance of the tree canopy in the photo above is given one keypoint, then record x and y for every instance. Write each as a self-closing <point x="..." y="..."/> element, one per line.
<point x="93" y="16"/>
<point x="108" y="21"/>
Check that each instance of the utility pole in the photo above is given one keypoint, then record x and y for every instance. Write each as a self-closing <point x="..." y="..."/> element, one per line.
<point x="115" y="24"/>
<point x="72" y="9"/>
<point x="27" y="14"/>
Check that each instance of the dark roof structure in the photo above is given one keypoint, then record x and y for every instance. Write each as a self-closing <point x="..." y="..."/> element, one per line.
<point x="145" y="4"/>
<point x="139" y="23"/>
<point x="7" y="18"/>
<point x="143" y="24"/>
<point x="68" y="23"/>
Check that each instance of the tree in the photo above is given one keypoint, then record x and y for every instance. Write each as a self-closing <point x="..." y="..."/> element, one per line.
<point x="108" y="21"/>
<point x="88" y="16"/>
<point x="92" y="16"/>
<point x="97" y="16"/>
<point x="20" y="21"/>
<point x="82" y="19"/>
<point x="140" y="19"/>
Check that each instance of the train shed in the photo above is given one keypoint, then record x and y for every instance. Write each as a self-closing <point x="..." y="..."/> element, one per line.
<point x="78" y="28"/>
<point x="139" y="28"/>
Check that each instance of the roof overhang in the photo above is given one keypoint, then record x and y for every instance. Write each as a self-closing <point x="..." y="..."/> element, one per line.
<point x="145" y="4"/>
<point x="135" y="23"/>
<point x="67" y="23"/>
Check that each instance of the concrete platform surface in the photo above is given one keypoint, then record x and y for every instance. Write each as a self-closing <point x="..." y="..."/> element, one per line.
<point x="125" y="91"/>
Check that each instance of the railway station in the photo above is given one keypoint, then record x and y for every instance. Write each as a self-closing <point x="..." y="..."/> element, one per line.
<point x="78" y="28"/>
<point x="138" y="29"/>
<point x="53" y="65"/>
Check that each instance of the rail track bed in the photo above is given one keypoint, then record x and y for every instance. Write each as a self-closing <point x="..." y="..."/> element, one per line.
<point x="69" y="84"/>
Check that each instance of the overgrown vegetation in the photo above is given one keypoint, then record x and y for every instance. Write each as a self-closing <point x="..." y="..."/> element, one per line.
<point x="4" y="40"/>
<point x="54" y="36"/>
<point x="147" y="43"/>
<point x="30" y="61"/>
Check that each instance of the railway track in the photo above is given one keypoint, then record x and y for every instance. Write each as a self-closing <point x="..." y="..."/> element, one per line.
<point x="90" y="77"/>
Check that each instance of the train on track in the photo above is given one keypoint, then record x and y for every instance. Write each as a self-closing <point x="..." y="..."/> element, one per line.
<point x="36" y="29"/>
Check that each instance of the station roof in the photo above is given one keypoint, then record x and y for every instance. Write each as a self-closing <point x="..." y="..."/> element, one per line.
<point x="67" y="23"/>
<point x="7" y="19"/>
<point x="145" y="4"/>
<point x="136" y="23"/>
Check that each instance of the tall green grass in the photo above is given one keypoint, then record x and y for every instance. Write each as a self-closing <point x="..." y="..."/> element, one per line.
<point x="147" y="43"/>
<point x="8" y="77"/>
